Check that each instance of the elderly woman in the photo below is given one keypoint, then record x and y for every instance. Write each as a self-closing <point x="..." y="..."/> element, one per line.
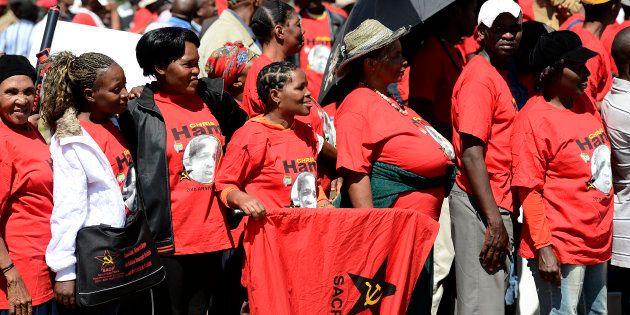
<point x="162" y="126"/>
<point x="387" y="154"/>
<point x="231" y="63"/>
<point x="251" y="178"/>
<point x="561" y="167"/>
<point x="26" y="184"/>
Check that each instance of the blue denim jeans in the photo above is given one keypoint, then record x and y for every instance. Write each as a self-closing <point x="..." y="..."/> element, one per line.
<point x="48" y="308"/>
<point x="582" y="290"/>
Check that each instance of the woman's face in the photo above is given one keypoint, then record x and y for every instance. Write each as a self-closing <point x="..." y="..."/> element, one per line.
<point x="573" y="78"/>
<point x="295" y="98"/>
<point x="17" y="94"/>
<point x="180" y="76"/>
<point x="390" y="65"/>
<point x="293" y="36"/>
<point x="110" y="94"/>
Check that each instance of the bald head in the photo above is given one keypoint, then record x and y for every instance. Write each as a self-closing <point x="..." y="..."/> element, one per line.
<point x="621" y="52"/>
<point x="184" y="8"/>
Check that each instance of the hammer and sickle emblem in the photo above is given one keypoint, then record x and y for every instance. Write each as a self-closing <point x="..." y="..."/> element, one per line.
<point x="108" y="260"/>
<point x="184" y="175"/>
<point x="369" y="296"/>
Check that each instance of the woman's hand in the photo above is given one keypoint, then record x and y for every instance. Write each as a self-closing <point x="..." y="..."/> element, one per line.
<point x="136" y="92"/>
<point x="250" y="205"/>
<point x="17" y="294"/>
<point x="64" y="293"/>
<point x="548" y="266"/>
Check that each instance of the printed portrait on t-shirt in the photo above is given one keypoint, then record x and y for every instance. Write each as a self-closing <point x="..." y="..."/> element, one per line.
<point x="304" y="191"/>
<point x="318" y="58"/>
<point x="447" y="147"/>
<point x="201" y="157"/>
<point x="601" y="170"/>
<point x="129" y="189"/>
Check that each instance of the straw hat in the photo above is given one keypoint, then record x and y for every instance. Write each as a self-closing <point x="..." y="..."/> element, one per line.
<point x="369" y="36"/>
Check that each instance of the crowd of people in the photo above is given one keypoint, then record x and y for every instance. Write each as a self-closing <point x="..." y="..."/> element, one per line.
<point x="508" y="122"/>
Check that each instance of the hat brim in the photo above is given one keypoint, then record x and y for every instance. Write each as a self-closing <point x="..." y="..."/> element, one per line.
<point x="344" y="66"/>
<point x="579" y="55"/>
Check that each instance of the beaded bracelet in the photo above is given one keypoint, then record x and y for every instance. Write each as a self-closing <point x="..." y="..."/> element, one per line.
<point x="7" y="268"/>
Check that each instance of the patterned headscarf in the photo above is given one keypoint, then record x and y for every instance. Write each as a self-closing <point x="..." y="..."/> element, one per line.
<point x="228" y="62"/>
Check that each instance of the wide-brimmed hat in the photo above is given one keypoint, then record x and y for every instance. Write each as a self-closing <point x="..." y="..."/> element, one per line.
<point x="369" y="36"/>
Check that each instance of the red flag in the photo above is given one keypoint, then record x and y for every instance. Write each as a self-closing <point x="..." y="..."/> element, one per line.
<point x="335" y="261"/>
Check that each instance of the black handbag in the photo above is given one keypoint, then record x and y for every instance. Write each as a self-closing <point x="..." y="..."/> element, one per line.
<point x="113" y="263"/>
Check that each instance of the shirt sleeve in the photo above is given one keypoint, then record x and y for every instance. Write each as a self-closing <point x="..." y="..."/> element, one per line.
<point x="475" y="108"/>
<point x="354" y="150"/>
<point x="69" y="211"/>
<point x="244" y="155"/>
<point x="535" y="217"/>
<point x="6" y="179"/>
<point x="529" y="155"/>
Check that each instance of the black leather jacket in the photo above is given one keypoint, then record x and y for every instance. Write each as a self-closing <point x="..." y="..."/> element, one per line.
<point x="144" y="128"/>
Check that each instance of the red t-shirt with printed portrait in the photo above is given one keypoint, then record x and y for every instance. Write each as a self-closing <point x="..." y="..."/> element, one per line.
<point x="109" y="138"/>
<point x="600" y="78"/>
<point x="26" y="189"/>
<point x="316" y="50"/>
<point x="434" y="70"/>
<point x="194" y="145"/>
<point x="268" y="162"/>
<point x="483" y="107"/>
<point x="370" y="130"/>
<point x="565" y="153"/>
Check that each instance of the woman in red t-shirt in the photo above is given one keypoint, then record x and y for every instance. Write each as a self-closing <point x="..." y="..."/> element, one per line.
<point x="561" y="169"/>
<point x="25" y="195"/>
<point x="271" y="161"/>
<point x="93" y="170"/>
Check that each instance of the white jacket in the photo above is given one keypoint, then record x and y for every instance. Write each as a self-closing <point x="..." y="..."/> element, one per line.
<point x="85" y="193"/>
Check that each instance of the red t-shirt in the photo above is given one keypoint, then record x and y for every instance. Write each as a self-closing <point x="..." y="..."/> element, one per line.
<point x="527" y="6"/>
<point x="369" y="129"/>
<point x="252" y="104"/>
<point x="483" y="106"/>
<point x="469" y="46"/>
<point x="26" y="188"/>
<point x="141" y="19"/>
<point x="316" y="50"/>
<point x="265" y="160"/>
<point x="434" y="80"/>
<point x="573" y="21"/>
<point x="85" y="19"/>
<point x="566" y="154"/>
<point x="607" y="40"/>
<point x="403" y="85"/>
<point x="109" y="138"/>
<point x="194" y="145"/>
<point x="335" y="9"/>
<point x="600" y="79"/>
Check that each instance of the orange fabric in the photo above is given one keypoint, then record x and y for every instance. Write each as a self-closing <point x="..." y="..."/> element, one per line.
<point x="535" y="217"/>
<point x="85" y="19"/>
<point x="607" y="40"/>
<point x="26" y="189"/>
<point x="600" y="79"/>
<point x="264" y="160"/>
<point x="316" y="50"/>
<point x="333" y="261"/>
<point x="369" y="129"/>
<point x="483" y="107"/>
<point x="434" y="81"/>
<point x="142" y="19"/>
<point x="198" y="219"/>
<point x="566" y="154"/>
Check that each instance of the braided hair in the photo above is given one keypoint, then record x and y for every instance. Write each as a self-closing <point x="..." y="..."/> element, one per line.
<point x="67" y="78"/>
<point x="265" y="18"/>
<point x="273" y="76"/>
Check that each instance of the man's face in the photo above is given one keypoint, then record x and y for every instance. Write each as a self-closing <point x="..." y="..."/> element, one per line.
<point x="503" y="38"/>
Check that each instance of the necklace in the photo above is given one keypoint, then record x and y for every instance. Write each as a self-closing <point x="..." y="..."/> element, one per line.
<point x="397" y="106"/>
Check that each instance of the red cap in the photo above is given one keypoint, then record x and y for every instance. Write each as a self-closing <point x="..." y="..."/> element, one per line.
<point x="45" y="4"/>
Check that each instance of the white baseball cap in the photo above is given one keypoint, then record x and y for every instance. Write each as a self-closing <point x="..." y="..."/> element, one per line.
<point x="493" y="8"/>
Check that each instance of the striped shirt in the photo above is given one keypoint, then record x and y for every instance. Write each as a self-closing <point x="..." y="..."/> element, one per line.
<point x="16" y="39"/>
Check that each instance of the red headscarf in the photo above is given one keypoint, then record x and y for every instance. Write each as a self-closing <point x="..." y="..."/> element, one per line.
<point x="228" y="62"/>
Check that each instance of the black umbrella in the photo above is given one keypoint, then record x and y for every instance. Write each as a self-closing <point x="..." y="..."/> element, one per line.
<point x="392" y="13"/>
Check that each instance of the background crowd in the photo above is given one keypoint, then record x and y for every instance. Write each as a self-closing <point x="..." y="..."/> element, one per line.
<point x="508" y="122"/>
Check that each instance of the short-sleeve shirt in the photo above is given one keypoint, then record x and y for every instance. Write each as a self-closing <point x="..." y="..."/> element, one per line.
<point x="600" y="78"/>
<point x="370" y="130"/>
<point x="566" y="154"/>
<point x="194" y="145"/>
<point x="267" y="161"/>
<point x="434" y="70"/>
<point x="26" y="187"/>
<point x="85" y="19"/>
<point x="483" y="107"/>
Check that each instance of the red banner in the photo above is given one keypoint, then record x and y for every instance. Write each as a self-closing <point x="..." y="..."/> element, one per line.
<point x="335" y="261"/>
